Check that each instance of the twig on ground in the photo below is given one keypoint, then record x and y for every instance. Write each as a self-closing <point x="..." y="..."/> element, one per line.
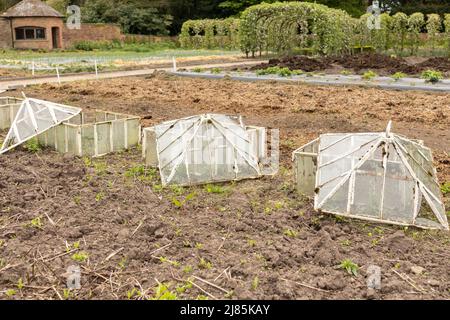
<point x="212" y="284"/>
<point x="403" y="277"/>
<point x="112" y="254"/>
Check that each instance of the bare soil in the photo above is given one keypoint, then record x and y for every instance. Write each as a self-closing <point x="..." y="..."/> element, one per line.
<point x="359" y="63"/>
<point x="239" y="239"/>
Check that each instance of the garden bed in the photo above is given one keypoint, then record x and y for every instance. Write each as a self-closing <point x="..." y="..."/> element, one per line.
<point x="359" y="63"/>
<point x="256" y="238"/>
<point x="375" y="81"/>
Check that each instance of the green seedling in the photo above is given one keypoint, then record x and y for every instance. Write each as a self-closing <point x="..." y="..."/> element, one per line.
<point x="87" y="161"/>
<point x="202" y="297"/>
<point x="398" y="76"/>
<point x="445" y="188"/>
<point x="133" y="293"/>
<point x="32" y="145"/>
<point x="369" y="75"/>
<point x="100" y="168"/>
<point x="251" y="243"/>
<point x="187" y="269"/>
<point x="162" y="292"/>
<point x="36" y="223"/>
<point x="20" y="284"/>
<point x="432" y="76"/>
<point x="80" y="256"/>
<point x="183" y="288"/>
<point x="197" y="70"/>
<point x="179" y="204"/>
<point x="198" y="245"/>
<point x="10" y="292"/>
<point x="122" y="263"/>
<point x="216" y="70"/>
<point x="67" y="294"/>
<point x="255" y="283"/>
<point x="290" y="233"/>
<point x="211" y="188"/>
<point x="99" y="196"/>
<point x="351" y="267"/>
<point x="204" y="264"/>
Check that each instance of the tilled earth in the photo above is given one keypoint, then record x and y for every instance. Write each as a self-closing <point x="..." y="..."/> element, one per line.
<point x="250" y="239"/>
<point x="359" y="63"/>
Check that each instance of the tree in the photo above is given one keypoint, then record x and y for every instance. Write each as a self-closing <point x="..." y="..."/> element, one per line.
<point x="135" y="17"/>
<point x="354" y="7"/>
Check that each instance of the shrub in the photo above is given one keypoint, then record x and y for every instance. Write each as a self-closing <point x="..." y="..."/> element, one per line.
<point x="210" y="34"/>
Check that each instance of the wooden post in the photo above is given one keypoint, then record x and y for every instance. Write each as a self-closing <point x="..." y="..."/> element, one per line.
<point x="174" y="63"/>
<point x="57" y="74"/>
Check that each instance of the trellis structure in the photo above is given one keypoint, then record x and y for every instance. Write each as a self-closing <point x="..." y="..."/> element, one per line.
<point x="281" y="26"/>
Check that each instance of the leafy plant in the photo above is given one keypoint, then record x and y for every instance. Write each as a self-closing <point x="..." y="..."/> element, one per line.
<point x="255" y="283"/>
<point x="197" y="70"/>
<point x="36" y="222"/>
<point x="162" y="292"/>
<point x="212" y="188"/>
<point x="20" y="284"/>
<point x="290" y="233"/>
<point x="204" y="264"/>
<point x="183" y="288"/>
<point x="32" y="145"/>
<point x="187" y="269"/>
<point x="179" y="204"/>
<point x="99" y="196"/>
<point x="100" y="168"/>
<point x="216" y="70"/>
<point x="445" y="188"/>
<point x="198" y="245"/>
<point x="133" y="293"/>
<point x="369" y="75"/>
<point x="351" y="267"/>
<point x="398" y="75"/>
<point x="80" y="256"/>
<point x="67" y="294"/>
<point x="10" y="292"/>
<point x="432" y="76"/>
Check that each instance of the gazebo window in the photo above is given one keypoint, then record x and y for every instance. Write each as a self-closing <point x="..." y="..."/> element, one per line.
<point x="30" y="33"/>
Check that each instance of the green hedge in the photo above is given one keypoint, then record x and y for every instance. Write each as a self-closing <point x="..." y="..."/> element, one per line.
<point x="210" y="34"/>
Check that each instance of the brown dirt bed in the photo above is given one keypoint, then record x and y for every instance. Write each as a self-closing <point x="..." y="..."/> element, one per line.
<point x="359" y="63"/>
<point x="243" y="230"/>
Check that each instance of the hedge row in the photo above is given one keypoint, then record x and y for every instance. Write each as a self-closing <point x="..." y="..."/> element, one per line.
<point x="210" y="34"/>
<point x="287" y="26"/>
